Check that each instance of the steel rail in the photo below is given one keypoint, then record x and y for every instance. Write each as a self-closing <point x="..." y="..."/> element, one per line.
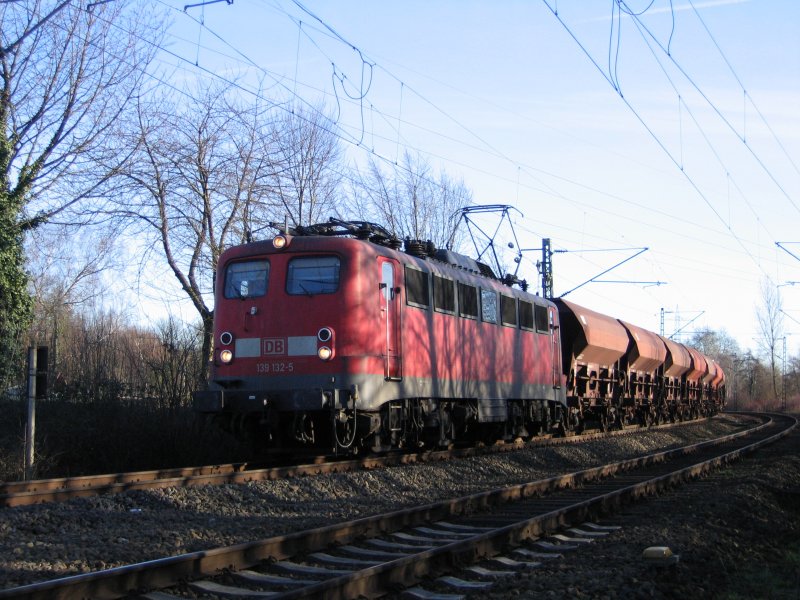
<point x="578" y="507"/>
<point x="25" y="493"/>
<point x="116" y="582"/>
<point x="63" y="484"/>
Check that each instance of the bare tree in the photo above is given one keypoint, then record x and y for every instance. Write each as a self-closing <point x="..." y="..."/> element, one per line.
<point x="211" y="171"/>
<point x="68" y="74"/>
<point x="309" y="152"/>
<point x="65" y="270"/>
<point x="410" y="200"/>
<point x="724" y="349"/>
<point x="92" y="366"/>
<point x="752" y="384"/>
<point x="200" y="177"/>
<point x="717" y="344"/>
<point x="769" y="316"/>
<point x="167" y="361"/>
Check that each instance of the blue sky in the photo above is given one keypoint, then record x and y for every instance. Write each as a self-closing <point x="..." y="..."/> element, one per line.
<point x="677" y="158"/>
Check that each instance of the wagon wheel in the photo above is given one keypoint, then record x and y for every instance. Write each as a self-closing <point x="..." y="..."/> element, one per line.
<point x="613" y="419"/>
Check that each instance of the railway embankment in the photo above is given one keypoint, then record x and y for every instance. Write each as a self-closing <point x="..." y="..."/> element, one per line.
<point x="48" y="541"/>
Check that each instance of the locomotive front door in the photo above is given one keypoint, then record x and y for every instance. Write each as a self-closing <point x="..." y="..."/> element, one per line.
<point x="389" y="298"/>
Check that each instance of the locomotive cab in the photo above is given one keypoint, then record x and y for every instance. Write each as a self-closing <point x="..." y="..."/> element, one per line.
<point x="286" y="355"/>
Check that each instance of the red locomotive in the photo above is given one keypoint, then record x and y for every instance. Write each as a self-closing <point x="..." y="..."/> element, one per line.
<point x="331" y="336"/>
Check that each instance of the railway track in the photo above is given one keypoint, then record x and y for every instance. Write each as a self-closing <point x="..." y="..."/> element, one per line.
<point x="25" y="493"/>
<point x="374" y="555"/>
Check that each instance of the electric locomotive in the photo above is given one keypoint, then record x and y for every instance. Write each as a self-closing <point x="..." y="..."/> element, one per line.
<point x="331" y="336"/>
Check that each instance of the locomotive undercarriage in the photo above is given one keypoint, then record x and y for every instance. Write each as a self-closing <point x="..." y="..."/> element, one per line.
<point x="409" y="424"/>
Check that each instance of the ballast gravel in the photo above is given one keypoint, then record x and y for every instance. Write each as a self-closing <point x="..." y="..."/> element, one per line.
<point x="54" y="540"/>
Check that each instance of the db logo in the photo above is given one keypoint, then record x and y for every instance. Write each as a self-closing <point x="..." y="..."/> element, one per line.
<point x="273" y="346"/>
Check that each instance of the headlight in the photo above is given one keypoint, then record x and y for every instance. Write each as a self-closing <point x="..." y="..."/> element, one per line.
<point x="280" y="241"/>
<point x="324" y="353"/>
<point x="226" y="356"/>
<point x="324" y="334"/>
<point x="225" y="338"/>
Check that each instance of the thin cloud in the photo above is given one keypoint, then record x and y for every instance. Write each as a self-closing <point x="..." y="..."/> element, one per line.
<point x="681" y="8"/>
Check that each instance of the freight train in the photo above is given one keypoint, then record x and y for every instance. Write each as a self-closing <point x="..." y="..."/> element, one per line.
<point x="342" y="337"/>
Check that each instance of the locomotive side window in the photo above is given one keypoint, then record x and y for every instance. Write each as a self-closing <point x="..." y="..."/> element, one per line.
<point x="488" y="306"/>
<point x="246" y="279"/>
<point x="525" y="315"/>
<point x="508" y="310"/>
<point x="541" y="319"/>
<point x="467" y="301"/>
<point x="417" y="288"/>
<point x="313" y="275"/>
<point x="444" y="295"/>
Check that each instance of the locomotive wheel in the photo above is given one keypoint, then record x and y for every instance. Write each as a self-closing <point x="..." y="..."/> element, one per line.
<point x="345" y="430"/>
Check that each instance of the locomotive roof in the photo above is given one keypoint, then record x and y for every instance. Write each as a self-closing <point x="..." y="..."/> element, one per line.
<point x="377" y="234"/>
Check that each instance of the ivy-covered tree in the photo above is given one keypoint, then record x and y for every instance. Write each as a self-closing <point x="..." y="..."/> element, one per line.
<point x="15" y="301"/>
<point x="68" y="73"/>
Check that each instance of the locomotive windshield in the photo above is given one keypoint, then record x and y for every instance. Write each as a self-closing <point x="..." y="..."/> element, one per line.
<point x="246" y="279"/>
<point x="313" y="275"/>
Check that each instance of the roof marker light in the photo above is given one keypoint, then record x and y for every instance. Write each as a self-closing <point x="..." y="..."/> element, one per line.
<point x="280" y="241"/>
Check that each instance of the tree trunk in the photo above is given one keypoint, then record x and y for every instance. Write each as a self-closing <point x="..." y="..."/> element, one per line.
<point x="208" y="347"/>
